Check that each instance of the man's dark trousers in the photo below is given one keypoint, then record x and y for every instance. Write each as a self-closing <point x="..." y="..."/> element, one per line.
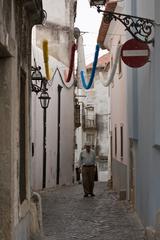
<point x="88" y="174"/>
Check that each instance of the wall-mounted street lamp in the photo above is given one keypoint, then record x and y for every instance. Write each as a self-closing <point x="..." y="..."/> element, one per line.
<point x="39" y="84"/>
<point x="140" y="28"/>
<point x="44" y="101"/>
<point x="38" y="81"/>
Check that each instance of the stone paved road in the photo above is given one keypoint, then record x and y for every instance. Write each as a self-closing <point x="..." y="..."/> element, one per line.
<point x="69" y="216"/>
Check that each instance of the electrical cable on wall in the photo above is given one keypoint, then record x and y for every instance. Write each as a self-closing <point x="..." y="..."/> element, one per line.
<point x="57" y="70"/>
<point x="87" y="86"/>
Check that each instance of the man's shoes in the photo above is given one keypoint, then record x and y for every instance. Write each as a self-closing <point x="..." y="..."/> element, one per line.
<point x="86" y="195"/>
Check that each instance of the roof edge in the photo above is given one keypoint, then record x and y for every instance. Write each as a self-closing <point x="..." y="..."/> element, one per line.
<point x="110" y="6"/>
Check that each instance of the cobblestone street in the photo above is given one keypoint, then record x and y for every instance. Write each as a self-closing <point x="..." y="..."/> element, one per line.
<point x="69" y="216"/>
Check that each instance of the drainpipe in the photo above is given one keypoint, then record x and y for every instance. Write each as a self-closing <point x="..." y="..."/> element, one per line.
<point x="58" y="133"/>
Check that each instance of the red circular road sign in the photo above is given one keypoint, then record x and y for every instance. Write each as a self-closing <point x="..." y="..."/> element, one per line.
<point x="135" y="53"/>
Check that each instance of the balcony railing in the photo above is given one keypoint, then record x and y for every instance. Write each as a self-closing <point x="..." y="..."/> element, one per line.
<point x="89" y="122"/>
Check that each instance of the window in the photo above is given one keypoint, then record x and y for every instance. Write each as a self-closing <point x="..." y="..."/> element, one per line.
<point x="115" y="136"/>
<point x="90" y="138"/>
<point x="109" y="91"/>
<point x="56" y="35"/>
<point x="121" y="141"/>
<point x="90" y="118"/>
<point x="111" y="66"/>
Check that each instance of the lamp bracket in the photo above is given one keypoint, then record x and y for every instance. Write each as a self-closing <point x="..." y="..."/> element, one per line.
<point x="140" y="28"/>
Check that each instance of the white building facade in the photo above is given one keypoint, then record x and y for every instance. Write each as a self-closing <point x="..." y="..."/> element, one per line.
<point x="145" y="132"/>
<point x="141" y="101"/>
<point x="111" y="37"/>
<point x="58" y="31"/>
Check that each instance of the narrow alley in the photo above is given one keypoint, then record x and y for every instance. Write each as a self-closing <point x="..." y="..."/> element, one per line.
<point x="79" y="102"/>
<point x="67" y="215"/>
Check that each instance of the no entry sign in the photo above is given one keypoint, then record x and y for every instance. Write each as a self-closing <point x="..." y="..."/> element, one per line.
<point x="135" y="53"/>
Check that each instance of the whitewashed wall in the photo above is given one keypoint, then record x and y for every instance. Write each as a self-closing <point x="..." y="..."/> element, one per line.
<point x="120" y="165"/>
<point x="102" y="108"/>
<point x="141" y="91"/>
<point x="58" y="31"/>
<point x="148" y="154"/>
<point x="66" y="132"/>
<point x="58" y="11"/>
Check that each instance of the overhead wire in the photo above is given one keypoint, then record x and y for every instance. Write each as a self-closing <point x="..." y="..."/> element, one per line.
<point x="64" y="84"/>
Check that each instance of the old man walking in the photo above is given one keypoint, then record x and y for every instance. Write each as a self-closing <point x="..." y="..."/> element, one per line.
<point x="87" y="162"/>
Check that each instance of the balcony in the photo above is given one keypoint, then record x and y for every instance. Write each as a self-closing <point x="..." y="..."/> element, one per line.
<point x="89" y="122"/>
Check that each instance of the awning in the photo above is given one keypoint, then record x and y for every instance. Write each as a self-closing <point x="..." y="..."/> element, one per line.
<point x="110" y="6"/>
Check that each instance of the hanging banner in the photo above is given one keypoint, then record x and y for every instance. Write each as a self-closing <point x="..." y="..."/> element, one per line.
<point x="80" y="62"/>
